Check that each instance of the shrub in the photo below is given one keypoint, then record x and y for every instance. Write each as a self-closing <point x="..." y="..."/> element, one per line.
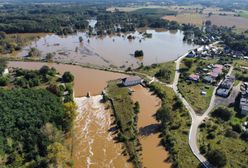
<point x="222" y="113"/>
<point x="4" y="81"/>
<point x="138" y="53"/>
<point x="217" y="158"/>
<point x="67" y="77"/>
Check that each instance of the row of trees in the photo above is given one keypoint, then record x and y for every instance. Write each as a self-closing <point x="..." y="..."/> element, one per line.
<point x="43" y="18"/>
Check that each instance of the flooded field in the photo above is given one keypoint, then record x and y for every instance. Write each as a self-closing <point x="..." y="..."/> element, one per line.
<point x="112" y="51"/>
<point x="86" y="80"/>
<point x="153" y="154"/>
<point x="93" y="143"/>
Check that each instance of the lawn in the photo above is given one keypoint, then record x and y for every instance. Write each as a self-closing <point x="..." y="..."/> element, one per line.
<point x="192" y="93"/>
<point x="125" y="120"/>
<point x="154" y="69"/>
<point x="213" y="136"/>
<point x="175" y="124"/>
<point x="192" y="90"/>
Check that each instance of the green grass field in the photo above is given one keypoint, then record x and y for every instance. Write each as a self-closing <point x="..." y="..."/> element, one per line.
<point x="152" y="70"/>
<point x="192" y="93"/>
<point x="191" y="90"/>
<point x="244" y="14"/>
<point x="154" y="12"/>
<point x="234" y="148"/>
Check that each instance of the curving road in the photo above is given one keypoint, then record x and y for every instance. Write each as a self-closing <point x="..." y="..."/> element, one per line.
<point x="196" y="119"/>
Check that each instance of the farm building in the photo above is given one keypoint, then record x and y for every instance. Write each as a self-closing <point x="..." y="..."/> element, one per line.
<point x="132" y="80"/>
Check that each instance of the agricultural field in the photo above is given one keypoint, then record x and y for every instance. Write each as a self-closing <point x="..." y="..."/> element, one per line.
<point x="243" y="14"/>
<point x="229" y="21"/>
<point x="134" y="8"/>
<point x="192" y="18"/>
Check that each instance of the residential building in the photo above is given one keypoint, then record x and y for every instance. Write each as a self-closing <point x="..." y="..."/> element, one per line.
<point x="131" y="81"/>
<point x="244" y="99"/>
<point x="225" y="87"/>
<point x="194" y="77"/>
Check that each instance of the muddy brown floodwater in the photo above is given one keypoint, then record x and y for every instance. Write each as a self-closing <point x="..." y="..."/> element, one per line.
<point x="86" y="80"/>
<point x="153" y="154"/>
<point x="115" y="50"/>
<point x="93" y="143"/>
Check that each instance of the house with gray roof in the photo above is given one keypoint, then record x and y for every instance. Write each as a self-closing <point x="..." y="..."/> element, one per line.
<point x="131" y="81"/>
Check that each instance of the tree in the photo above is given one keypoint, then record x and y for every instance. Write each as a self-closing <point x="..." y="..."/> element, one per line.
<point x="54" y="88"/>
<point x="222" y="113"/>
<point x="49" y="56"/>
<point x="34" y="52"/>
<point x="188" y="63"/>
<point x="139" y="53"/>
<point x="81" y="39"/>
<point x="67" y="77"/>
<point x="44" y="70"/>
<point x="70" y="108"/>
<point x="136" y="107"/>
<point x="57" y="154"/>
<point x="3" y="65"/>
<point x="217" y="158"/>
<point x="4" y="80"/>
<point x="164" y="73"/>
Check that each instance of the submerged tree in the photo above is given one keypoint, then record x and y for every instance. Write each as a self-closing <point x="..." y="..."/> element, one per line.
<point x="67" y="77"/>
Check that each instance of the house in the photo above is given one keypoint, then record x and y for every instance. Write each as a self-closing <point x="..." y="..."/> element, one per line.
<point x="244" y="99"/>
<point x="216" y="71"/>
<point x="191" y="54"/>
<point x="225" y="87"/>
<point x="194" y="77"/>
<point x="131" y="81"/>
<point x="228" y="82"/>
<point x="208" y="79"/>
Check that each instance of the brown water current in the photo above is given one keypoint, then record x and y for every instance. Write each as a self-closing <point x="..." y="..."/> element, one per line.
<point x="86" y="80"/>
<point x="93" y="143"/>
<point x="153" y="154"/>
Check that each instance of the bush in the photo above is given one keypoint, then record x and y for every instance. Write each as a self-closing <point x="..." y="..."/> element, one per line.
<point x="217" y="158"/>
<point x="138" y="53"/>
<point x="222" y="113"/>
<point x="4" y="81"/>
<point x="67" y="77"/>
<point x="231" y="134"/>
